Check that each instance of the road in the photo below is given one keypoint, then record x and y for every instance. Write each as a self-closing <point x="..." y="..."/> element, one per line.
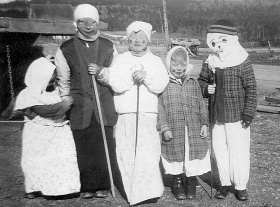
<point x="268" y="77"/>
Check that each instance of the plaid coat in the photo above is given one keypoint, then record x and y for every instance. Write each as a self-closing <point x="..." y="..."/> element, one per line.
<point x="238" y="93"/>
<point x="180" y="106"/>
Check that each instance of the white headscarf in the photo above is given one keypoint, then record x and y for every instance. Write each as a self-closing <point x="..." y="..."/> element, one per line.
<point x="84" y="11"/>
<point x="168" y="60"/>
<point x="36" y="80"/>
<point x="137" y="26"/>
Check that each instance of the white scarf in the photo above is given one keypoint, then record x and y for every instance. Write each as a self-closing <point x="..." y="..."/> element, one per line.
<point x="168" y="62"/>
<point x="36" y="80"/>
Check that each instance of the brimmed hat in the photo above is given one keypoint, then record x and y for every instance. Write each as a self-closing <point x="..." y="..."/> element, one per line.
<point x="224" y="27"/>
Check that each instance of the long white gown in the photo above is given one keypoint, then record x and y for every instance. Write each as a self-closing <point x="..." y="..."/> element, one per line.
<point x="49" y="160"/>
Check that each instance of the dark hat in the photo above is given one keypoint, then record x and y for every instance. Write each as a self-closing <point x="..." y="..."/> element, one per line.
<point x="223" y="26"/>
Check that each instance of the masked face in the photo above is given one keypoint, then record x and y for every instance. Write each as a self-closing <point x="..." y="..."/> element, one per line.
<point x="178" y="64"/>
<point x="87" y="26"/>
<point x="138" y="41"/>
<point x="222" y="44"/>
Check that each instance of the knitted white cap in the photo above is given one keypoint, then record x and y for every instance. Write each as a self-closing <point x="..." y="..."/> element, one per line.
<point x="137" y="26"/>
<point x="86" y="10"/>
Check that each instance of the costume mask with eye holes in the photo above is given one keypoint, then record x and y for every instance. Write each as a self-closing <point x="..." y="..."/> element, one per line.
<point x="222" y="39"/>
<point x="222" y="44"/>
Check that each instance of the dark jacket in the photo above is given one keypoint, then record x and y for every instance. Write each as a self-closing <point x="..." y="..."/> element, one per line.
<point x="78" y="57"/>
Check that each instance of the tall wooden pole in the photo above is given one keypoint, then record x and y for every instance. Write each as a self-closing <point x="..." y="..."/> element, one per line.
<point x="162" y="28"/>
<point x="104" y="136"/>
<point x="167" y="40"/>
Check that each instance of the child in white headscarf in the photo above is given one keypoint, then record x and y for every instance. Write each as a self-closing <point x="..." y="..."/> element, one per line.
<point x="49" y="161"/>
<point x="138" y="70"/>
<point x="182" y="122"/>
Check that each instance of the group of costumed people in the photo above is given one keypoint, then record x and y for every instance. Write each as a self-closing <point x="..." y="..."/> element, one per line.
<point x="150" y="112"/>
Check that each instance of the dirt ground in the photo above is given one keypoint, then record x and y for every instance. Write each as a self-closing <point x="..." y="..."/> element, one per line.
<point x="263" y="187"/>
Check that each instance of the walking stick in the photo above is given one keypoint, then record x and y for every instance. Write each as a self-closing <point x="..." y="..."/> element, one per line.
<point x="138" y="67"/>
<point x="211" y="125"/>
<point x="137" y="116"/>
<point x="104" y="135"/>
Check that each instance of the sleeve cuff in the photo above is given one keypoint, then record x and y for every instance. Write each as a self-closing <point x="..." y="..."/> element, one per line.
<point x="164" y="128"/>
<point x="247" y="118"/>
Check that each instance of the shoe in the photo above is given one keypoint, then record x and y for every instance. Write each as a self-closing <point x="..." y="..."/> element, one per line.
<point x="241" y="195"/>
<point x="222" y="192"/>
<point x="87" y="195"/>
<point x="191" y="187"/>
<point x="177" y="188"/>
<point x="62" y="197"/>
<point x="32" y="195"/>
<point x="101" y="193"/>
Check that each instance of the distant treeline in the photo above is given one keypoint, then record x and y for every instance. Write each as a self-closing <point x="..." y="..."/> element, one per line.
<point x="256" y="20"/>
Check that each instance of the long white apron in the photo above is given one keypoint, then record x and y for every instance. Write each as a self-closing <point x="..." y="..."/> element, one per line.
<point x="141" y="174"/>
<point x="49" y="160"/>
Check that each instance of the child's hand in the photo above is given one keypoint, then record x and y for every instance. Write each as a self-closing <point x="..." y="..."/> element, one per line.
<point x="66" y="103"/>
<point x="67" y="100"/>
<point x="211" y="89"/>
<point x="93" y="69"/>
<point x="204" y="131"/>
<point x="168" y="135"/>
<point x="139" y="76"/>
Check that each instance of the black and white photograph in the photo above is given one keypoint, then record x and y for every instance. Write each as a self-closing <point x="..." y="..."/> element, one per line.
<point x="139" y="103"/>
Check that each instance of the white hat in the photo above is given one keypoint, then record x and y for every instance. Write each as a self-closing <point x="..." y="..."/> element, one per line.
<point x="86" y="10"/>
<point x="137" y="26"/>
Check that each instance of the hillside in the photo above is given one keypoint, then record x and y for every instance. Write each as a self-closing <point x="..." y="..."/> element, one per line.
<point x="257" y="20"/>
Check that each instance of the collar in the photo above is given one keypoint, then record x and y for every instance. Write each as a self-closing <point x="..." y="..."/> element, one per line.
<point x="88" y="39"/>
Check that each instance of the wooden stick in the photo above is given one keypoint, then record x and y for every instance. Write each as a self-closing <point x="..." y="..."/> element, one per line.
<point x="211" y="125"/>
<point x="104" y="135"/>
<point x="137" y="117"/>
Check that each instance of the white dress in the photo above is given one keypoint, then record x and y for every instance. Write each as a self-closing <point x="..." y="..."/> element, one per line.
<point x="49" y="160"/>
<point x="141" y="173"/>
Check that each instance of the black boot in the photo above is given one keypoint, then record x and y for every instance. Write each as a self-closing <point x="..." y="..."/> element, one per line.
<point x="241" y="195"/>
<point x="191" y="187"/>
<point x="222" y="192"/>
<point x="177" y="188"/>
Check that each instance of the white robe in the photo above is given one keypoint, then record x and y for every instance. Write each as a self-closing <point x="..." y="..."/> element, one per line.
<point x="49" y="160"/>
<point x="141" y="173"/>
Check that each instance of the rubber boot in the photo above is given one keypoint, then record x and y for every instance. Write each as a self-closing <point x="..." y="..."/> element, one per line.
<point x="178" y="188"/>
<point x="191" y="187"/>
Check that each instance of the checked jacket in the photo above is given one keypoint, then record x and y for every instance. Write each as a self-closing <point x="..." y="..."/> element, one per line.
<point x="236" y="93"/>
<point x="182" y="105"/>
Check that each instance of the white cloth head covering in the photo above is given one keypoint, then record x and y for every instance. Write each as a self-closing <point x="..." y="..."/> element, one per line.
<point x="36" y="80"/>
<point x="168" y="59"/>
<point x="84" y="11"/>
<point x="137" y="26"/>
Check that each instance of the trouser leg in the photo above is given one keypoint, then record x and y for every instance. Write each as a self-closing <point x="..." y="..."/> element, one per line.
<point x="220" y="148"/>
<point x="239" y="154"/>
<point x="91" y="157"/>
